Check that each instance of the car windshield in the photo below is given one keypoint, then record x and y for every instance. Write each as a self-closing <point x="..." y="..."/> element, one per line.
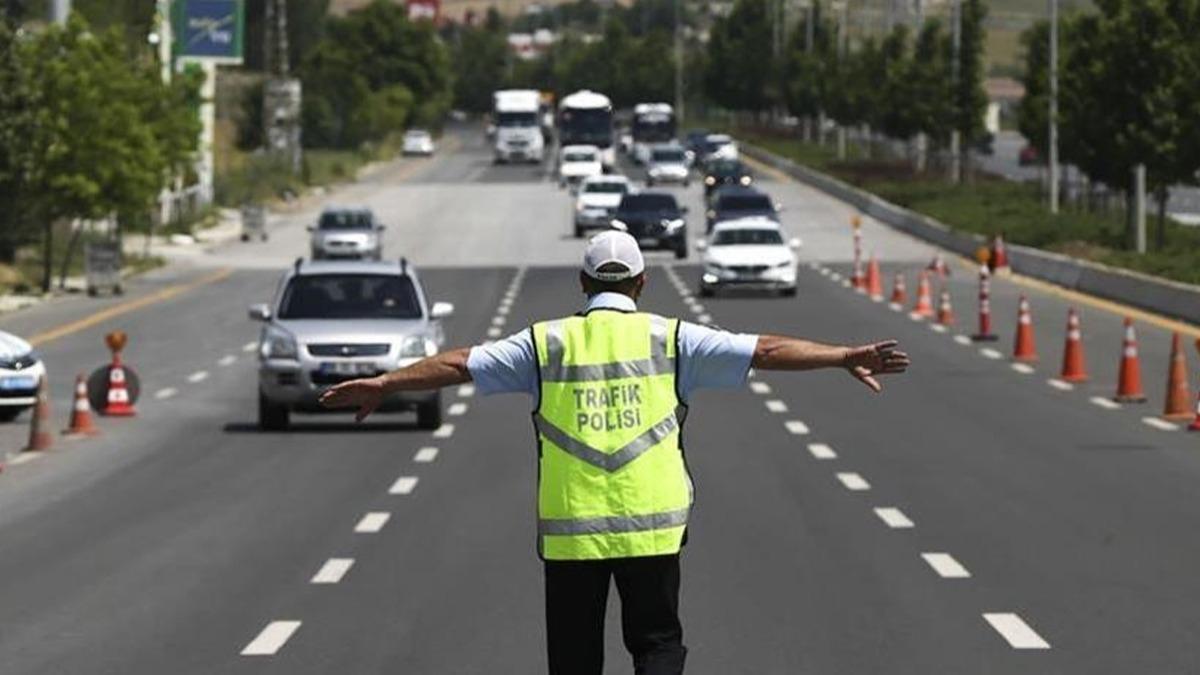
<point x="745" y="203"/>
<point x="346" y="220"/>
<point x="350" y="296"/>
<point x="417" y="135"/>
<point x="746" y="237"/>
<point x="592" y="126"/>
<point x="607" y="187"/>
<point x="517" y="119"/>
<point x="648" y="202"/>
<point x="668" y="156"/>
<point x="725" y="168"/>
<point x="580" y="156"/>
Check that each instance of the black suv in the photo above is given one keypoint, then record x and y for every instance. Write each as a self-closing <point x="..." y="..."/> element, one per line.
<point x="655" y="219"/>
<point x="735" y="201"/>
<point x="722" y="172"/>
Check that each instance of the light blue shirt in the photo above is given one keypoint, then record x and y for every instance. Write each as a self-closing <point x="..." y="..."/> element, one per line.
<point x="708" y="358"/>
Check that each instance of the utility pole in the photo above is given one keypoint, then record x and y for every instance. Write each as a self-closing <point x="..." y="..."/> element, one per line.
<point x="955" y="67"/>
<point x="59" y="11"/>
<point x="678" y="60"/>
<point x="281" y="93"/>
<point x="1139" y="208"/>
<point x="1053" y="140"/>
<point x="842" y="37"/>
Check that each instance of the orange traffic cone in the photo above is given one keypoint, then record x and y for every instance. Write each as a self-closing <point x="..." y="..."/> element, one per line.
<point x="81" y="415"/>
<point x="1024" y="348"/>
<point x="924" y="306"/>
<point x="1195" y="425"/>
<point x="874" y="281"/>
<point x="39" y="423"/>
<point x="1129" y="385"/>
<point x="1074" y="369"/>
<point x="857" y="279"/>
<point x="945" y="314"/>
<point x="899" y="292"/>
<point x="118" y="403"/>
<point x="998" y="260"/>
<point x="1179" y="398"/>
<point x="985" y="333"/>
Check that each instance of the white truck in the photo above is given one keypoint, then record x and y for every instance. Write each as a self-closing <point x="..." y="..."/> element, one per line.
<point x="515" y="114"/>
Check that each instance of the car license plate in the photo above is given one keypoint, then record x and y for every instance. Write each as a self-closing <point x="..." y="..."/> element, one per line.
<point x="348" y="368"/>
<point x="648" y="241"/>
<point x="18" y="382"/>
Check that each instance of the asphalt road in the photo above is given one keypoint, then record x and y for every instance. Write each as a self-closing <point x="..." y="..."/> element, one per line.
<point x="971" y="519"/>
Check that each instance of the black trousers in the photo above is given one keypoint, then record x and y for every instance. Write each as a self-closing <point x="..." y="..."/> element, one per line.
<point x="576" y="595"/>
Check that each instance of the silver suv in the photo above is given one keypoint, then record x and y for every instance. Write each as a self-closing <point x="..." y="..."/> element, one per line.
<point x="347" y="232"/>
<point x="336" y="321"/>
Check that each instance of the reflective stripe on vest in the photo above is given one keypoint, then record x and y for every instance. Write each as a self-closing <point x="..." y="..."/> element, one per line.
<point x="612" y="482"/>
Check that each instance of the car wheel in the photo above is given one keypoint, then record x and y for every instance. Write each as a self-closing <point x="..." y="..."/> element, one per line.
<point x="9" y="413"/>
<point x="649" y="182"/>
<point x="578" y="232"/>
<point x="429" y="414"/>
<point x="687" y="183"/>
<point x="681" y="251"/>
<point x="788" y="292"/>
<point x="706" y="291"/>
<point x="272" y="416"/>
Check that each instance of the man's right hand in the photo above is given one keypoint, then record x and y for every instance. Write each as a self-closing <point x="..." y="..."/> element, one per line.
<point x="365" y="395"/>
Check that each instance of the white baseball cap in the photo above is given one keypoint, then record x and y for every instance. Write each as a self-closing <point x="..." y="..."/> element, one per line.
<point x="613" y="247"/>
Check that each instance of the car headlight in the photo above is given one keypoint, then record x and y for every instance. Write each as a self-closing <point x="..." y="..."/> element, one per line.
<point x="673" y="224"/>
<point x="417" y="346"/>
<point x="279" y="344"/>
<point x="710" y="181"/>
<point x="579" y="208"/>
<point x="619" y="224"/>
<point x="745" y="180"/>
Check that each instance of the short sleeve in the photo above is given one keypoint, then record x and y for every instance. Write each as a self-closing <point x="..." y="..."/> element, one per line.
<point x="711" y="358"/>
<point x="505" y="366"/>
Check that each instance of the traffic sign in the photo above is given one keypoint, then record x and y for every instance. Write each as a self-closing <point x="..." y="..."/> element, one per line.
<point x="209" y="30"/>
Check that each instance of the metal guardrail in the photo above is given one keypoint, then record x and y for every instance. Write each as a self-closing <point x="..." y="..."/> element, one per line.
<point x="1170" y="298"/>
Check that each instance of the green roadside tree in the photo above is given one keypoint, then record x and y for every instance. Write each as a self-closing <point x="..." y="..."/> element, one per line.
<point x="929" y="83"/>
<point x="969" y="98"/>
<point x="809" y="73"/>
<point x="741" y="71"/>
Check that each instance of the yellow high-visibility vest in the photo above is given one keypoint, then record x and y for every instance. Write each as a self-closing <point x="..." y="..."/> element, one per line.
<point x="612" y="482"/>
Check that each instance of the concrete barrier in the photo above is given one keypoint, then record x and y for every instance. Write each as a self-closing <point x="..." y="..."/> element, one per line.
<point x="1170" y="298"/>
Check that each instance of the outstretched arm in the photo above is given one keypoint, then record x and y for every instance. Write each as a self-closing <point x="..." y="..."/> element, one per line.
<point x="777" y="352"/>
<point x="437" y="371"/>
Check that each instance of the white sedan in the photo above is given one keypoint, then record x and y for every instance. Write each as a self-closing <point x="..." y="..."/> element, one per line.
<point x="577" y="162"/>
<point x="748" y="253"/>
<point x="598" y="199"/>
<point x="20" y="371"/>
<point x="418" y="142"/>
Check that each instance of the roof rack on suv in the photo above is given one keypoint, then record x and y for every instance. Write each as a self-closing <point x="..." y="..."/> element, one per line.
<point x="297" y="264"/>
<point x="403" y="265"/>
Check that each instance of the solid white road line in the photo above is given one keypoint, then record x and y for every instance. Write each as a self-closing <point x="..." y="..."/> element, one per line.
<point x="166" y="392"/>
<point x="946" y="566"/>
<point x="854" y="482"/>
<point x="821" y="451"/>
<point x="704" y="318"/>
<point x="1162" y="425"/>
<point x="198" y="376"/>
<point x="250" y="346"/>
<point x="444" y="431"/>
<point x="989" y="353"/>
<point x="466" y="390"/>
<point x="760" y="387"/>
<point x="893" y="518"/>
<point x="227" y="360"/>
<point x="796" y="427"/>
<point x="332" y="571"/>
<point x="404" y="485"/>
<point x="1060" y="385"/>
<point x="1013" y="629"/>
<point x="1023" y="368"/>
<point x="1105" y="403"/>
<point x="426" y="455"/>
<point x="962" y="340"/>
<point x="271" y="639"/>
<point x="456" y="409"/>
<point x="372" y="522"/>
<point x="776" y="406"/>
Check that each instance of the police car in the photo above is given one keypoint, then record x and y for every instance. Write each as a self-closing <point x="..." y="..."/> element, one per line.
<point x="20" y="371"/>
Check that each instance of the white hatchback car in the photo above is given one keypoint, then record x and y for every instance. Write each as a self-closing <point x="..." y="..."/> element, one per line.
<point x="598" y="199"/>
<point x="748" y="253"/>
<point x="418" y="142"/>
<point x="20" y="371"/>
<point x="577" y="162"/>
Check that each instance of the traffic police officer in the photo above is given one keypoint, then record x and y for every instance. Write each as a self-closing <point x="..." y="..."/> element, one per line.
<point x="612" y="385"/>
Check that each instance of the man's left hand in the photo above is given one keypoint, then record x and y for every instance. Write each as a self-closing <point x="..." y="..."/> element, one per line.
<point x="881" y="358"/>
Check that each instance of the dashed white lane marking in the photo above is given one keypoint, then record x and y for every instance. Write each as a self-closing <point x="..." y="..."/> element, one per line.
<point x="250" y="346"/>
<point x="372" y="522"/>
<point x="1104" y="403"/>
<point x="989" y="353"/>
<point x="776" y="406"/>
<point x="444" y="431"/>
<point x="1023" y="368"/>
<point x="846" y="283"/>
<point x="198" y="376"/>
<point x="760" y="387"/>
<point x="425" y="455"/>
<point x="697" y="308"/>
<point x="821" y="451"/>
<point x="502" y="309"/>
<point x="404" y="485"/>
<point x="499" y="320"/>
<point x="834" y="276"/>
<point x="165" y="393"/>
<point x="895" y="307"/>
<point x="854" y="482"/>
<point x="456" y="409"/>
<point x="227" y="360"/>
<point x="26" y="457"/>
<point x="466" y="390"/>
<point x="893" y="518"/>
<point x="494" y="332"/>
<point x="825" y="271"/>
<point x="271" y="639"/>
<point x="796" y="427"/>
<point x="962" y="340"/>
<point x="332" y="571"/>
<point x="1060" y="385"/>
<point x="916" y="317"/>
<point x="1162" y="425"/>
<point x="946" y="566"/>
<point x="1013" y="629"/>
<point x="704" y="318"/>
<point x="937" y="328"/>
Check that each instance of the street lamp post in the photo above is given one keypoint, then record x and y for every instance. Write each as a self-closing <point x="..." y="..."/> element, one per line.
<point x="1053" y="140"/>
<point x="955" y="67"/>
<point x="678" y="61"/>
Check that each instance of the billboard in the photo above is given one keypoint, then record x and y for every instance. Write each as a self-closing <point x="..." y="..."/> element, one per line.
<point x="209" y="30"/>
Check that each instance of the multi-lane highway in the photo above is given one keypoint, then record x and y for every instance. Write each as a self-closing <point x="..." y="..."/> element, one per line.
<point x="973" y="518"/>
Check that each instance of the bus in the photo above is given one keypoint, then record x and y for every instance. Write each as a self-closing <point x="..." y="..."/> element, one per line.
<point x="586" y="118"/>
<point x="652" y="123"/>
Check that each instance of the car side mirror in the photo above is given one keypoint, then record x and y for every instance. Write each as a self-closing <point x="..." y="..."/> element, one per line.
<point x="795" y="243"/>
<point x="441" y="310"/>
<point x="683" y="209"/>
<point x="380" y="228"/>
<point x="701" y="245"/>
<point x="260" y="312"/>
<point x="310" y="228"/>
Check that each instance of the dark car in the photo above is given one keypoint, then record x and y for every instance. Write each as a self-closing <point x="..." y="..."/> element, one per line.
<point x="694" y="141"/>
<point x="721" y="172"/>
<point x="655" y="219"/>
<point x="736" y="201"/>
